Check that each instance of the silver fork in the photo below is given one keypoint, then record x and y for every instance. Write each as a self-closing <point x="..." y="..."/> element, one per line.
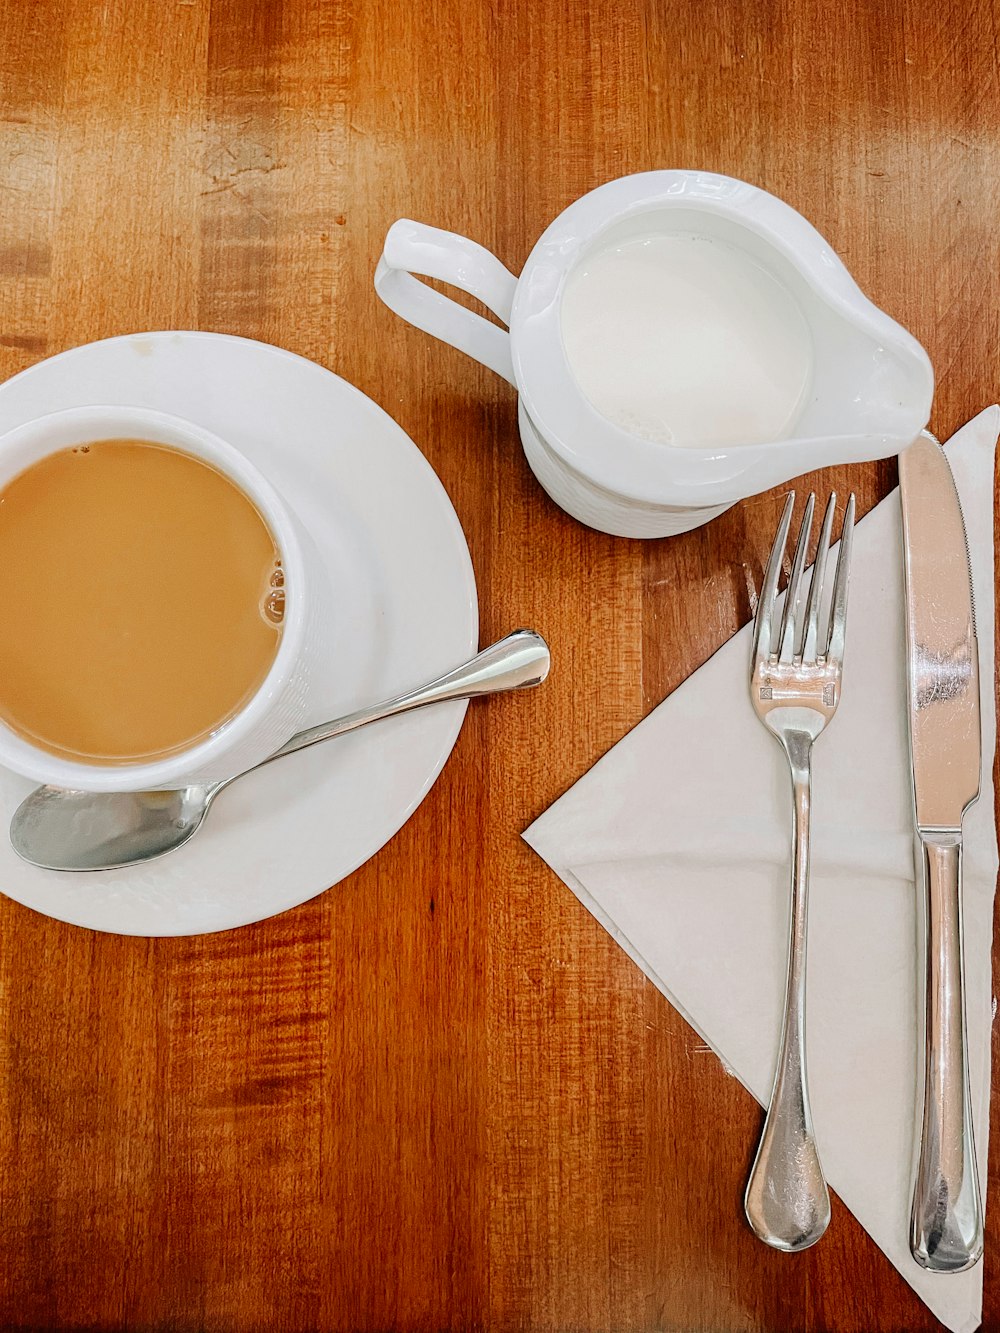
<point x="795" y="688"/>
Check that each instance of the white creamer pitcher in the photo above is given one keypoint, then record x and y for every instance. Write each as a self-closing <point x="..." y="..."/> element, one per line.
<point x="867" y="393"/>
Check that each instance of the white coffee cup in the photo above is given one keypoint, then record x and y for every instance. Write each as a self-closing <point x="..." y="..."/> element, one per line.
<point x="278" y="708"/>
<point x="871" y="382"/>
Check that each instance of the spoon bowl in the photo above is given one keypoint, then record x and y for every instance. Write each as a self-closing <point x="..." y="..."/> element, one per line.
<point x="85" y="830"/>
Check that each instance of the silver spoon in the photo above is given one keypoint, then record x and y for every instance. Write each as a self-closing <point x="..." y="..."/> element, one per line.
<point x="80" y="830"/>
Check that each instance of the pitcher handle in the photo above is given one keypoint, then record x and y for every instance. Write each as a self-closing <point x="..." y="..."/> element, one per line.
<point x="412" y="247"/>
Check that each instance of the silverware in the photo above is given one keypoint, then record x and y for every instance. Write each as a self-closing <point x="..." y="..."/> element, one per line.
<point x="77" y="830"/>
<point x="946" y="1224"/>
<point x="795" y="681"/>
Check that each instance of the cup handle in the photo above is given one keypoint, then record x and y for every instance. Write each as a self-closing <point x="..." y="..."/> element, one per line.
<point x="412" y="247"/>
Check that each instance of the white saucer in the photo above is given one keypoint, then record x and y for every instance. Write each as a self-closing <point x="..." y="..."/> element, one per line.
<point x="407" y="611"/>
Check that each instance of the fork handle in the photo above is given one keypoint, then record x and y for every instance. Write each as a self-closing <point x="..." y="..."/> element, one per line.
<point x="787" y="1203"/>
<point x="946" y="1225"/>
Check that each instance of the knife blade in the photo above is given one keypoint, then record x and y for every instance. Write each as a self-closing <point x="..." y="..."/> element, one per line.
<point x="946" y="1223"/>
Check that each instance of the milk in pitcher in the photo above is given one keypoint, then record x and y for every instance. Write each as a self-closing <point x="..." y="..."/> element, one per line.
<point x="686" y="340"/>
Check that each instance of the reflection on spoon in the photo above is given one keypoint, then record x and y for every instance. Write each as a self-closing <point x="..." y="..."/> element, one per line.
<point x="58" y="829"/>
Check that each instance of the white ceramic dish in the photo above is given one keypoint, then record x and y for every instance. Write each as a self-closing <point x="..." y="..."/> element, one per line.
<point x="871" y="384"/>
<point x="407" y="609"/>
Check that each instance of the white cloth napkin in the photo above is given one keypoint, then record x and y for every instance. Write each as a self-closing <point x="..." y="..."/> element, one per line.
<point x="678" y="842"/>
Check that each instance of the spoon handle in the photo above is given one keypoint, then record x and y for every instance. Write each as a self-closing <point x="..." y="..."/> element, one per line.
<point x="514" y="663"/>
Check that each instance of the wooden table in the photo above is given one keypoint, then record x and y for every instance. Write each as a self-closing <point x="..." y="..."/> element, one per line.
<point x="439" y="1096"/>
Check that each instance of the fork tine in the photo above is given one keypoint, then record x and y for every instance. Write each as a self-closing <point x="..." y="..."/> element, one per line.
<point x="816" y="585"/>
<point x="765" y="606"/>
<point x="838" y="607"/>
<point x="788" y="633"/>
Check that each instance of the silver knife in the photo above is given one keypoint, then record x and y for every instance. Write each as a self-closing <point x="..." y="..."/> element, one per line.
<point x="946" y="1223"/>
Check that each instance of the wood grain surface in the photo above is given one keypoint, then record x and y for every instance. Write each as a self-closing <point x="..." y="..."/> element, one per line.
<point x="439" y="1096"/>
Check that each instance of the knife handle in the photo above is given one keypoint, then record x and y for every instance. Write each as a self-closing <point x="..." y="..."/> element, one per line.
<point x="946" y="1224"/>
